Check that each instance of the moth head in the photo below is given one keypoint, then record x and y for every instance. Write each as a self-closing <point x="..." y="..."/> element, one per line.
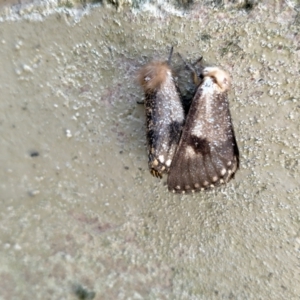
<point x="220" y="77"/>
<point x="152" y="75"/>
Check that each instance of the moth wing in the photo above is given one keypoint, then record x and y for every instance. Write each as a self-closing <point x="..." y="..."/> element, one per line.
<point x="207" y="154"/>
<point x="165" y="118"/>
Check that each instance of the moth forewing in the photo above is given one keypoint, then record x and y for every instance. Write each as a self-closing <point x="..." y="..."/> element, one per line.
<point x="207" y="154"/>
<point x="164" y="115"/>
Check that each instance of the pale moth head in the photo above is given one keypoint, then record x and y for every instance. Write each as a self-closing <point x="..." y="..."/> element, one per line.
<point x="221" y="77"/>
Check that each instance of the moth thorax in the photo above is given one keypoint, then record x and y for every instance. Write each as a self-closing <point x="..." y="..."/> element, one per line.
<point x="153" y="75"/>
<point x="221" y="77"/>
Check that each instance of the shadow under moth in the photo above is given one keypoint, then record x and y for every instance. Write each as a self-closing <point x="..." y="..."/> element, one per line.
<point x="197" y="151"/>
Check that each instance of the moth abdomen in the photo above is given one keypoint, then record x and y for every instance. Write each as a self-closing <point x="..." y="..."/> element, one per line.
<point x="164" y="115"/>
<point x="207" y="155"/>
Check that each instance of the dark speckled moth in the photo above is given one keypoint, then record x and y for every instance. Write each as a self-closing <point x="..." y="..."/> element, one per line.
<point x="207" y="154"/>
<point x="164" y="114"/>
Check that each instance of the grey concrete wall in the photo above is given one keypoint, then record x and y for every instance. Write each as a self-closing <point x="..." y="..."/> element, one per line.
<point x="81" y="216"/>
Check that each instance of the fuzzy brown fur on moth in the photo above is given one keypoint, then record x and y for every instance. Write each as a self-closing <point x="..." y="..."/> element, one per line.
<point x="164" y="114"/>
<point x="207" y="155"/>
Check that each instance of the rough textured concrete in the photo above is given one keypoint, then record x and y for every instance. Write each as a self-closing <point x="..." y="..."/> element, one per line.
<point x="81" y="216"/>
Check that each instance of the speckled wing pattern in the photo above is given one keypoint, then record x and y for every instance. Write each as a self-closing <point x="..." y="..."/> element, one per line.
<point x="207" y="154"/>
<point x="164" y="116"/>
<point x="164" y="125"/>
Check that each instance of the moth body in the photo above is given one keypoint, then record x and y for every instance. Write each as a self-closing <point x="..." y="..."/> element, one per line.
<point x="164" y="115"/>
<point x="207" y="155"/>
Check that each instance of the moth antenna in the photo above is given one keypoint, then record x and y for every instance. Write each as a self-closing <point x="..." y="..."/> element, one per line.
<point x="196" y="78"/>
<point x="197" y="61"/>
<point x="170" y="56"/>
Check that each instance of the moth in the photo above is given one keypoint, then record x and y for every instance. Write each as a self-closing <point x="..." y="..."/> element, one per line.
<point x="164" y="114"/>
<point x="207" y="154"/>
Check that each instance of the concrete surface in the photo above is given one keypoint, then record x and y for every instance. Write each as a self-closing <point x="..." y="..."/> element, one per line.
<point x="81" y="216"/>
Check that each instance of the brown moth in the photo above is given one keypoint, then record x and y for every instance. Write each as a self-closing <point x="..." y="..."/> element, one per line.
<point x="207" y="155"/>
<point x="164" y="114"/>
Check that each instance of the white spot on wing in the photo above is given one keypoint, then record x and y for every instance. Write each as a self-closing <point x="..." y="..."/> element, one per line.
<point x="223" y="171"/>
<point x="168" y="162"/>
<point x="215" y="178"/>
<point x="155" y="162"/>
<point x="161" y="158"/>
